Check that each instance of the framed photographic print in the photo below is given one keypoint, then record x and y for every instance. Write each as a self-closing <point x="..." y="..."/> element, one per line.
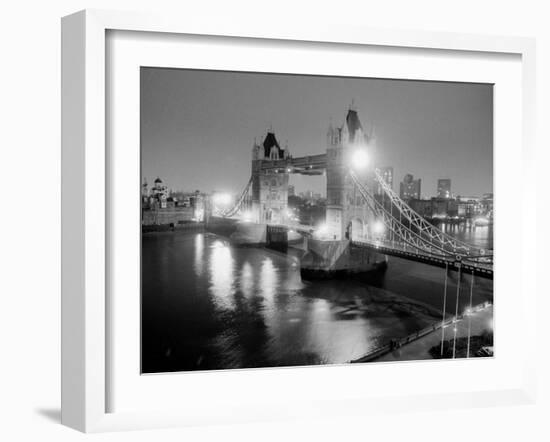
<point x="265" y="224"/>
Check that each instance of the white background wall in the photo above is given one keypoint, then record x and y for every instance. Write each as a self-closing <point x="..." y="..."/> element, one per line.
<point x="30" y="219"/>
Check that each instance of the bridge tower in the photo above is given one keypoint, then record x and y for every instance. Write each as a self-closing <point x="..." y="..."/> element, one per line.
<point x="269" y="188"/>
<point x="344" y="207"/>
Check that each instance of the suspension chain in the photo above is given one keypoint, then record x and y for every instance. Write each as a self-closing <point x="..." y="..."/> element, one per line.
<point x="423" y="225"/>
<point x="238" y="205"/>
<point x="409" y="236"/>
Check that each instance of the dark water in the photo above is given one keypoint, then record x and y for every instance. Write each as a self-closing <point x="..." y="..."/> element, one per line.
<point x="207" y="304"/>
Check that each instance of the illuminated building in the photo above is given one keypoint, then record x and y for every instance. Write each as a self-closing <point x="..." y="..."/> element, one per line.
<point x="444" y="188"/>
<point x="409" y="188"/>
<point x="269" y="188"/>
<point x="159" y="192"/>
<point x="387" y="176"/>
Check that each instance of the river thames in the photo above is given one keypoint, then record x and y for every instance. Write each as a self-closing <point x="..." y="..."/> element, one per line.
<point x="207" y="304"/>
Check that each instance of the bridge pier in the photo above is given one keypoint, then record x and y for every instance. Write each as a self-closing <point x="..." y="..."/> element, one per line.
<point x="334" y="259"/>
<point x="240" y="233"/>
<point x="277" y="238"/>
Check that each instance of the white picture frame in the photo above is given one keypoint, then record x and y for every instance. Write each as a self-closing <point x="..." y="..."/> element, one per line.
<point x="85" y="202"/>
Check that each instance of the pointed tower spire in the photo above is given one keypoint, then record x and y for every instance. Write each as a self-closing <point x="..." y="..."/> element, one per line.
<point x="330" y="129"/>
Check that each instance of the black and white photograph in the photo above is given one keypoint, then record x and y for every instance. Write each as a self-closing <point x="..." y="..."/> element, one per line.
<point x="301" y="220"/>
<point x="232" y="221"/>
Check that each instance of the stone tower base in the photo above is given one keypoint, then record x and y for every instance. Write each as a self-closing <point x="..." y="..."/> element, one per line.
<point x="335" y="259"/>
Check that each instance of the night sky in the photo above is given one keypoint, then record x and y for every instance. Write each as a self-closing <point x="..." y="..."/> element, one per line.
<point x="198" y="127"/>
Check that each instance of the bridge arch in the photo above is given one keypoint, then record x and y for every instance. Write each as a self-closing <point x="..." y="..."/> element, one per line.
<point x="356" y="229"/>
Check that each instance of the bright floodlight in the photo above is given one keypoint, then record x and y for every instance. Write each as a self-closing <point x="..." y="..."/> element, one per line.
<point x="222" y="199"/>
<point x="360" y="159"/>
<point x="247" y="217"/>
<point x="321" y="231"/>
<point x="378" y="227"/>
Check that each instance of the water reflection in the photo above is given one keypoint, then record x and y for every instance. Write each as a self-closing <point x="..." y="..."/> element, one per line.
<point x="221" y="273"/>
<point x="199" y="254"/>
<point x="480" y="236"/>
<point x="247" y="280"/>
<point x="268" y="280"/>
<point x="209" y="305"/>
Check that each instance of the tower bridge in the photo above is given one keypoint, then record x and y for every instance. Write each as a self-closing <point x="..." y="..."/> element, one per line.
<point x="361" y="229"/>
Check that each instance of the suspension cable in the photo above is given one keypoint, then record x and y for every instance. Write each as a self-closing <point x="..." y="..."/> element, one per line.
<point x="406" y="234"/>
<point x="419" y="222"/>
<point x="414" y="239"/>
<point x="239" y="203"/>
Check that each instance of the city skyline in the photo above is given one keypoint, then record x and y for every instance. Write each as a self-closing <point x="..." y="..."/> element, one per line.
<point x="148" y="182"/>
<point x="188" y="117"/>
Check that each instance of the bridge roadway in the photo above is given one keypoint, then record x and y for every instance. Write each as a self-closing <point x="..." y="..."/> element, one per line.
<point x="405" y="251"/>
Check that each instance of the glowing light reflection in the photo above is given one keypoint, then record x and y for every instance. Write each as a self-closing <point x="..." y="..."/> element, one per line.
<point x="199" y="254"/>
<point x="247" y="280"/>
<point x="268" y="279"/>
<point x="221" y="273"/>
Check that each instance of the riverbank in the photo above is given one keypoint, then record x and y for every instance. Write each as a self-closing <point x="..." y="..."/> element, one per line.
<point x="170" y="228"/>
<point x="417" y="346"/>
